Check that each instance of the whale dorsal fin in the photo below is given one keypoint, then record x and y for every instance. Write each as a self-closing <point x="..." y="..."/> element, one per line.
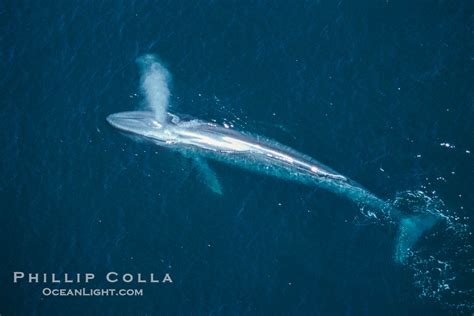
<point x="208" y="175"/>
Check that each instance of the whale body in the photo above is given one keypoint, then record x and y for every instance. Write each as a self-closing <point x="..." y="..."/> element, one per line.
<point x="200" y="140"/>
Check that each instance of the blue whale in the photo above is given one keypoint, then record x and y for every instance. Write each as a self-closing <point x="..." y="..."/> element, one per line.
<point x="200" y="141"/>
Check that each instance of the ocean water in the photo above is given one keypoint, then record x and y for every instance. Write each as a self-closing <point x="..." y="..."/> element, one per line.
<point x="381" y="91"/>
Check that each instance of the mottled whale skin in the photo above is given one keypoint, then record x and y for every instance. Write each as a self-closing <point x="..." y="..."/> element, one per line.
<point x="244" y="150"/>
<point x="200" y="140"/>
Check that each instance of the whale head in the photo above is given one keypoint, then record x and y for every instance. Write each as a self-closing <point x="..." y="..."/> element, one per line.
<point x="142" y="123"/>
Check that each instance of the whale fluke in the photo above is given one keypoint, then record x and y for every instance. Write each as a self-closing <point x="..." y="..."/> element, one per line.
<point x="410" y="230"/>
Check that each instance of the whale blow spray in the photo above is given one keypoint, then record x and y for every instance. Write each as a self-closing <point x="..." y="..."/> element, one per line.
<point x="155" y="81"/>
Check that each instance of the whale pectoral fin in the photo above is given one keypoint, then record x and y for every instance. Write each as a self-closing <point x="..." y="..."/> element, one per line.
<point x="208" y="175"/>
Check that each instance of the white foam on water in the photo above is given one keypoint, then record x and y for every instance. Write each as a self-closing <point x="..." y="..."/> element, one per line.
<point x="442" y="261"/>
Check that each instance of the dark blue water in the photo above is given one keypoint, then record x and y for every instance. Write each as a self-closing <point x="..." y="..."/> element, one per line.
<point x="381" y="91"/>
